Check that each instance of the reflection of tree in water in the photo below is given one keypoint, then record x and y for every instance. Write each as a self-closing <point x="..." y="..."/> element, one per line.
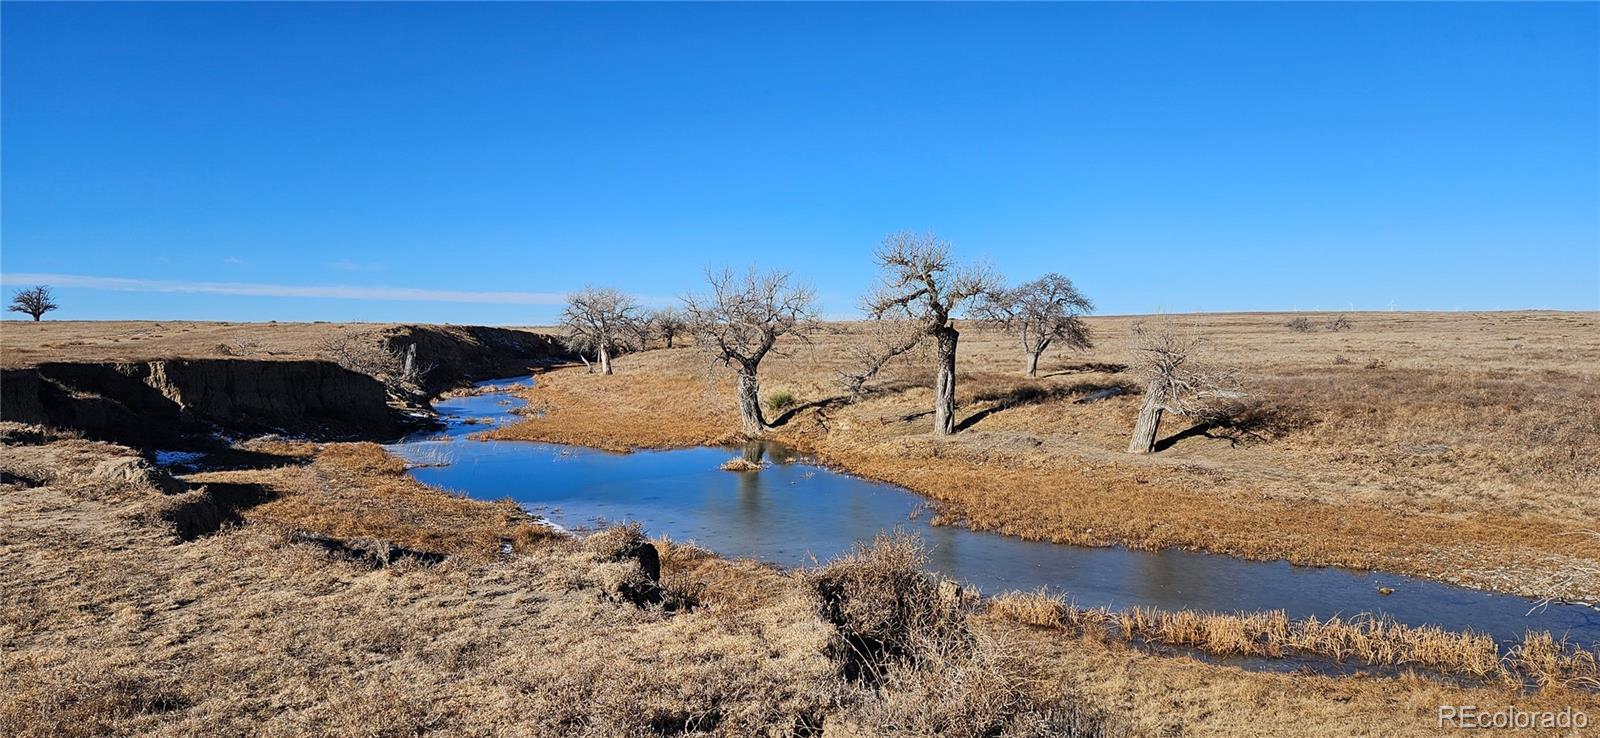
<point x="757" y="451"/>
<point x="749" y="486"/>
<point x="781" y="454"/>
<point x="754" y="451"/>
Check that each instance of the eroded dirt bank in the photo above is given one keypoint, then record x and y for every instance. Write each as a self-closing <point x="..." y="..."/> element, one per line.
<point x="354" y="383"/>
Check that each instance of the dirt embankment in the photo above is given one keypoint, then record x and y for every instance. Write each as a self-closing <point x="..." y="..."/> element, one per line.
<point x="161" y="402"/>
<point x="359" y="384"/>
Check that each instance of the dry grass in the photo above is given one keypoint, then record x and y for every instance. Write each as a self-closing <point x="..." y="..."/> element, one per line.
<point x="143" y="340"/>
<point x="1459" y="459"/>
<point x="1540" y="659"/>
<point x="357" y="490"/>
<point x="1166" y="695"/>
<point x="112" y="626"/>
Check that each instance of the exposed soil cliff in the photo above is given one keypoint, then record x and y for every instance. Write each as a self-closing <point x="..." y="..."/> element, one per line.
<point x="171" y="402"/>
<point x="161" y="402"/>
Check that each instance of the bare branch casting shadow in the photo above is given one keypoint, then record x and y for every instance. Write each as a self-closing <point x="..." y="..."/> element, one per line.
<point x="829" y="403"/>
<point x="1036" y="395"/>
<point x="826" y="403"/>
<point x="1086" y="368"/>
<point x="1243" y="426"/>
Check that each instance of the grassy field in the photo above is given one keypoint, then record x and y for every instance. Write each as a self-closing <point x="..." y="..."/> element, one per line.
<point x="28" y="343"/>
<point x="1447" y="445"/>
<point x="324" y="592"/>
<point x="128" y="613"/>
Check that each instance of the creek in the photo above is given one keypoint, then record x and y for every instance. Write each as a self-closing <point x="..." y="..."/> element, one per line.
<point x="796" y="513"/>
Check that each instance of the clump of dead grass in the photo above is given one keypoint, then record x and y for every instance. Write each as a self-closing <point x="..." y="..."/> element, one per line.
<point x="741" y="465"/>
<point x="904" y="638"/>
<point x="360" y="491"/>
<point x="1375" y="641"/>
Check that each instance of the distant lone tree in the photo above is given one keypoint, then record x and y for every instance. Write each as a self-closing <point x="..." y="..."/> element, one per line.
<point x="35" y="301"/>
<point x="921" y="285"/>
<point x="1040" y="314"/>
<point x="668" y="323"/>
<point x="1175" y="380"/>
<point x="602" y="322"/>
<point x="739" y="323"/>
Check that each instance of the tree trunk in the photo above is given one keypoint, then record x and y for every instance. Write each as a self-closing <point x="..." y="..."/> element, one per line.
<point x="1033" y="364"/>
<point x="944" y="389"/>
<point x="605" y="359"/>
<point x="669" y="340"/>
<point x="750" y="420"/>
<point x="410" y="370"/>
<point x="1144" y="430"/>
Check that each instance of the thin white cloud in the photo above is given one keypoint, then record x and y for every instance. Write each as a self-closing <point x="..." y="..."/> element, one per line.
<point x="235" y="261"/>
<point x="252" y="289"/>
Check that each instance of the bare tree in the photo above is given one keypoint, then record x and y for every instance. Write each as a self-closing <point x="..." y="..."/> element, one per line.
<point x="739" y="324"/>
<point x="921" y="285"/>
<point x="367" y="353"/>
<point x="1175" y="380"/>
<point x="668" y="323"/>
<point x="35" y="301"/>
<point x="1040" y="313"/>
<point x="600" y="321"/>
<point x="887" y="339"/>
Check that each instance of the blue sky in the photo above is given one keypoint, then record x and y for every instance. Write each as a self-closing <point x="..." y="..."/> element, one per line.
<point x="471" y="163"/>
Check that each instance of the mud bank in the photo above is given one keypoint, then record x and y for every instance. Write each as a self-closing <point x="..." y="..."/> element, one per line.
<point x="173" y="402"/>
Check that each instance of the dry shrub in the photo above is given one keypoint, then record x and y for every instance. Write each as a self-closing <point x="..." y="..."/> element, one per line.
<point x="883" y="603"/>
<point x="984" y="687"/>
<point x="1300" y="325"/>
<point x="904" y="638"/>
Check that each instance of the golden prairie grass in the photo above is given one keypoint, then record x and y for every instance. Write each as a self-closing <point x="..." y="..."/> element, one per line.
<point x="144" y="340"/>
<point x="1540" y="659"/>
<point x="357" y="490"/>
<point x="1458" y="456"/>
<point x="109" y="628"/>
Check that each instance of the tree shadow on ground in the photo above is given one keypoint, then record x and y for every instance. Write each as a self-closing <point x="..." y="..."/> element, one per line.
<point x="826" y="403"/>
<point x="214" y="506"/>
<point x="1243" y="426"/>
<point x="1086" y="368"/>
<point x="829" y="403"/>
<point x="1037" y="395"/>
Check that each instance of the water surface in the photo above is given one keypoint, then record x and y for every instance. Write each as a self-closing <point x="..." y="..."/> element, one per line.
<point x="796" y="513"/>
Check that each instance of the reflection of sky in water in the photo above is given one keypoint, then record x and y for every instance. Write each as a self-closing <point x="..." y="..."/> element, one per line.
<point x="794" y="513"/>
